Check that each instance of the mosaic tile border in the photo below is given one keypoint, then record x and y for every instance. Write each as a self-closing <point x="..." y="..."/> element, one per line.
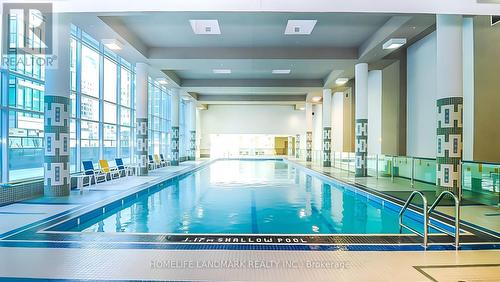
<point x="141" y="148"/>
<point x="56" y="139"/>
<point x="449" y="143"/>
<point x="361" y="147"/>
<point x="175" y="145"/>
<point x="309" y="138"/>
<point x="327" y="146"/>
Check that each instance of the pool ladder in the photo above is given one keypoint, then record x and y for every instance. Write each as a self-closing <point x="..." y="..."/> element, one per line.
<point x="427" y="212"/>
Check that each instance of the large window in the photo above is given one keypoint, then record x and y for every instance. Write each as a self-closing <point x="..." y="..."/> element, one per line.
<point x="159" y="119"/>
<point x="102" y="90"/>
<point x="22" y="106"/>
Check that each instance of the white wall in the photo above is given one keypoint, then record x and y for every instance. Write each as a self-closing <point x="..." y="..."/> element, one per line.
<point x="338" y="121"/>
<point x="250" y="119"/>
<point x="318" y="127"/>
<point x="421" y="97"/>
<point x="468" y="86"/>
<point x="374" y="111"/>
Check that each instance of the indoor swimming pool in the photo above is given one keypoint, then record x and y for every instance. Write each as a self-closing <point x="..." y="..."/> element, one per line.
<point x="252" y="197"/>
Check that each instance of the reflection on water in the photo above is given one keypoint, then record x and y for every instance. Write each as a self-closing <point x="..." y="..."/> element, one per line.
<point x="266" y="197"/>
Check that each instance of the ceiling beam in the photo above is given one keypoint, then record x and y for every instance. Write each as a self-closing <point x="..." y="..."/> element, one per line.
<point x="173" y="77"/>
<point x="252" y="83"/>
<point x="312" y="53"/>
<point x="409" y="27"/>
<point x="252" y="98"/>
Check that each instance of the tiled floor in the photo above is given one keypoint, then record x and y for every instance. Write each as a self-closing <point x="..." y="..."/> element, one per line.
<point x="226" y="265"/>
<point x="247" y="265"/>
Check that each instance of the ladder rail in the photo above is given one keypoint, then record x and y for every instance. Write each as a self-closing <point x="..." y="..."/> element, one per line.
<point x="457" y="216"/>
<point x="425" y="214"/>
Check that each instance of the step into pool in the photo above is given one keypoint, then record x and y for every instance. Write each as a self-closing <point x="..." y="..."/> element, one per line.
<point x="252" y="197"/>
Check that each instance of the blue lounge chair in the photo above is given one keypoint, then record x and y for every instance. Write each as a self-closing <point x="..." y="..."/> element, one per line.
<point x="151" y="162"/>
<point x="88" y="169"/>
<point x="122" y="167"/>
<point x="167" y="162"/>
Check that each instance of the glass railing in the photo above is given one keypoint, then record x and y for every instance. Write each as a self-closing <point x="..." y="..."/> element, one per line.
<point x="481" y="182"/>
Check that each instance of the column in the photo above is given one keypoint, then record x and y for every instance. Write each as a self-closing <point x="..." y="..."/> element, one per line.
<point x="57" y="181"/>
<point x="141" y="119"/>
<point x="175" y="127"/>
<point x="290" y="146"/>
<point x="361" y="113"/>
<point x="449" y="102"/>
<point x="327" y="127"/>
<point x="192" y="132"/>
<point x="297" y="146"/>
<point x="309" y="133"/>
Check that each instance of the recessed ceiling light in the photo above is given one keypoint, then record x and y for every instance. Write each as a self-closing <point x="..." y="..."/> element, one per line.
<point x="185" y="98"/>
<point x="112" y="44"/>
<point x="205" y="26"/>
<point x="301" y="108"/>
<point x="341" y="81"/>
<point x="394" y="43"/>
<point x="300" y="27"/>
<point x="281" y="71"/>
<point x="222" y="71"/>
<point x="162" y="81"/>
<point x="316" y="99"/>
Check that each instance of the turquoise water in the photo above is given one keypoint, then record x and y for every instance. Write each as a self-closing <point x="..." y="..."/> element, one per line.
<point x="250" y="197"/>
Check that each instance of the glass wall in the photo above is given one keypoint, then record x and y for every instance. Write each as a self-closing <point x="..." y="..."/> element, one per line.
<point x="22" y="106"/>
<point x="102" y="108"/>
<point x="160" y="126"/>
<point x="102" y="90"/>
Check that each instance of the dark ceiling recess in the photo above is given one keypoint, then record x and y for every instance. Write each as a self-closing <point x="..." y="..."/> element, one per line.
<point x="495" y="19"/>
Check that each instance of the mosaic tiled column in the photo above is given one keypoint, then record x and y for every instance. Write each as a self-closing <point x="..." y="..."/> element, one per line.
<point x="309" y="137"/>
<point x="174" y="138"/>
<point x="327" y="146"/>
<point x="192" y="145"/>
<point x="141" y="149"/>
<point x="361" y="113"/>
<point x="361" y="146"/>
<point x="449" y="143"/>
<point x="56" y="160"/>
<point x="309" y="134"/>
<point x="449" y="102"/>
<point x="57" y="181"/>
<point x="297" y="146"/>
<point x="175" y="145"/>
<point x="141" y="120"/>
<point x="327" y="127"/>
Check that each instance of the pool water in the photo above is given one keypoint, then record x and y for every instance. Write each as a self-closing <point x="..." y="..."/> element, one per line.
<point x="251" y="197"/>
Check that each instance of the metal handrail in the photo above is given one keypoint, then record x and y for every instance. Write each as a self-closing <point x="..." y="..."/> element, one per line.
<point x="457" y="216"/>
<point x="425" y="214"/>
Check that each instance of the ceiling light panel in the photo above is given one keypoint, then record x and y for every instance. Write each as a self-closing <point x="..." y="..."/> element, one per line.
<point x="112" y="44"/>
<point x="394" y="43"/>
<point x="341" y="81"/>
<point x="162" y="81"/>
<point x="300" y="27"/>
<point x="221" y="71"/>
<point x="205" y="26"/>
<point x="281" y="71"/>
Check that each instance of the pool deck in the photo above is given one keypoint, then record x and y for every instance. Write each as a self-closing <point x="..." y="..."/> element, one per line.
<point x="247" y="265"/>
